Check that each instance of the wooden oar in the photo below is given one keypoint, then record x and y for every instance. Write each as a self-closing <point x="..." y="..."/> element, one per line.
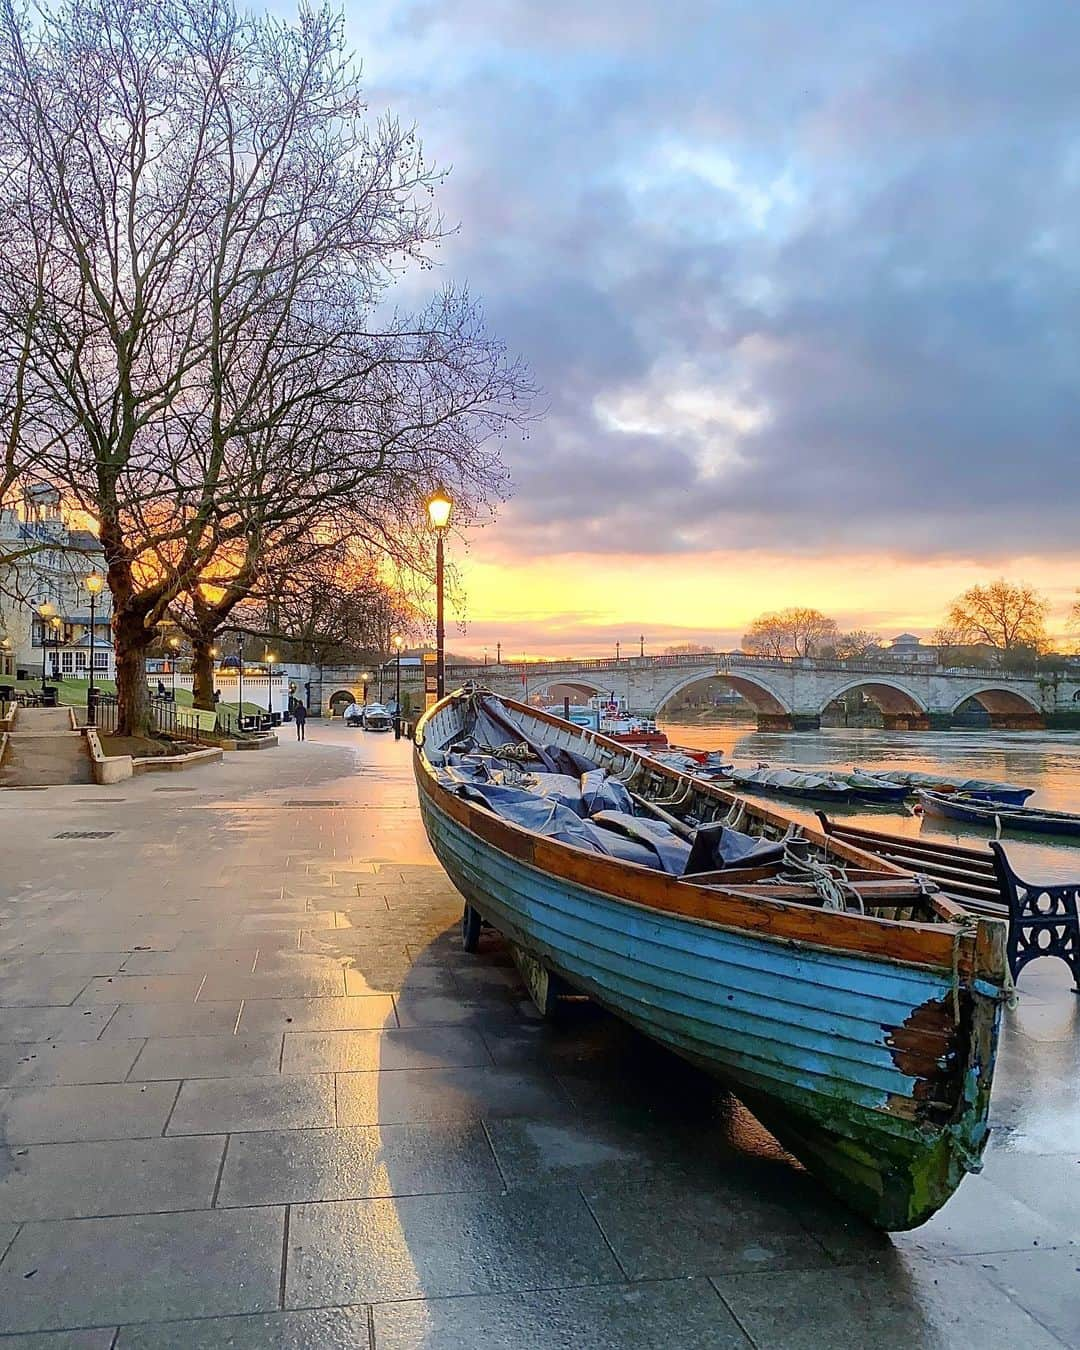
<point x="680" y="827"/>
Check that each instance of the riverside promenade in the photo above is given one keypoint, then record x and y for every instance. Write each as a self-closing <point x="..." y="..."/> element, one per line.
<point x="253" y="1095"/>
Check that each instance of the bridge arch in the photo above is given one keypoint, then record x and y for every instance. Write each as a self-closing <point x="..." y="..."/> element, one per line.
<point x="542" y="688"/>
<point x="766" y="701"/>
<point x="1005" y="706"/>
<point x="339" y="701"/>
<point x="891" y="696"/>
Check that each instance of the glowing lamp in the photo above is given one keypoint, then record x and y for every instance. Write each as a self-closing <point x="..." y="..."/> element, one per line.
<point x="439" y="508"/>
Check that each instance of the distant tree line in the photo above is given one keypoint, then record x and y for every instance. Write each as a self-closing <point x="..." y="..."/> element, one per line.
<point x="1002" y="621"/>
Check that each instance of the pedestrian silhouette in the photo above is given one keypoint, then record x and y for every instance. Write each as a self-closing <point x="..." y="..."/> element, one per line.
<point x="299" y="713"/>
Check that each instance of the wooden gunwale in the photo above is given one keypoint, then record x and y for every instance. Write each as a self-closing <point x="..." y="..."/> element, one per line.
<point x="938" y="945"/>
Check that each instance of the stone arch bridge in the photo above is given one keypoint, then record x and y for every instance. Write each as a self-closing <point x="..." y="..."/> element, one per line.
<point x="787" y="693"/>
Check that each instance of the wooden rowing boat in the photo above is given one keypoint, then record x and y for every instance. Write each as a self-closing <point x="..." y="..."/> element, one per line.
<point x="1000" y="816"/>
<point x="865" y="1041"/>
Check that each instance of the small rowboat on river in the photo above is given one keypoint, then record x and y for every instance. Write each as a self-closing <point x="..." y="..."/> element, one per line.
<point x="853" y="1009"/>
<point x="979" y="788"/>
<point x="1000" y="816"/>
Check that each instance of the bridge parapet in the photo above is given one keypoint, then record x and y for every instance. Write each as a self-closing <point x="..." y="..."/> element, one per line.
<point x="786" y="691"/>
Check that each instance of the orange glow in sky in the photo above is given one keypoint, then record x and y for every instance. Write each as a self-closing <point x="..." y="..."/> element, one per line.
<point x="580" y="604"/>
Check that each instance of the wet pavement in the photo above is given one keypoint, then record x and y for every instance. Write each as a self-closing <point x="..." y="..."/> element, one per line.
<point x="252" y="1094"/>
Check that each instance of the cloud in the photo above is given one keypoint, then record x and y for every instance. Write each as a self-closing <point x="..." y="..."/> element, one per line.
<point x="792" y="276"/>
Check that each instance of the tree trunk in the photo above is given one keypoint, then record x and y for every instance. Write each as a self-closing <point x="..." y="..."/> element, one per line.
<point x="132" y="691"/>
<point x="202" y="665"/>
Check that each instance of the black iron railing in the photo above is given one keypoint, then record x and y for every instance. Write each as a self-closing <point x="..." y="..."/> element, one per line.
<point x="105" y="714"/>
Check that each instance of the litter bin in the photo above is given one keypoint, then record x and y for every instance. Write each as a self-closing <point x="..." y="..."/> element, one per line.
<point x="49" y="696"/>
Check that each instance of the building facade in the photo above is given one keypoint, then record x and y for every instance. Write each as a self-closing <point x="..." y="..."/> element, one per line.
<point x="48" y="560"/>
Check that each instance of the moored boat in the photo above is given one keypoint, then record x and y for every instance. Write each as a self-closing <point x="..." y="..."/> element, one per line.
<point x="999" y="815"/>
<point x="980" y="788"/>
<point x="853" y="1009"/>
<point x="791" y="783"/>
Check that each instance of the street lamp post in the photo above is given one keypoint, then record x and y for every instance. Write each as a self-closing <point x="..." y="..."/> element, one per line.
<point x="616" y="651"/>
<point x="365" y="677"/>
<point x="642" y="641"/>
<point x="95" y="584"/>
<point x="498" y="653"/>
<point x="271" y="657"/>
<point x="240" y="681"/>
<point x="45" y="613"/>
<point x="439" y="508"/>
<point x="174" y="647"/>
<point x="399" y="642"/>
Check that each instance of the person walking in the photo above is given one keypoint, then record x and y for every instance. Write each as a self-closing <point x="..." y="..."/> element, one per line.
<point x="299" y="713"/>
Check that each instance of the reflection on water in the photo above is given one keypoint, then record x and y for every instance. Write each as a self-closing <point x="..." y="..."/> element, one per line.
<point x="1047" y="761"/>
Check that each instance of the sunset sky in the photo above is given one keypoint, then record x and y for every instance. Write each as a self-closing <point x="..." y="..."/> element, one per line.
<point x="798" y="281"/>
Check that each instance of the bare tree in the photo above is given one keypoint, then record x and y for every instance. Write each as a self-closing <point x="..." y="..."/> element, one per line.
<point x="219" y="223"/>
<point x="1004" y="615"/>
<point x="687" y="649"/>
<point x="858" y="645"/>
<point x="338" y="607"/>
<point x="789" y="632"/>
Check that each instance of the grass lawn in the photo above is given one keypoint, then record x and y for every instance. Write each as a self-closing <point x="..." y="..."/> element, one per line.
<point x="72" y="694"/>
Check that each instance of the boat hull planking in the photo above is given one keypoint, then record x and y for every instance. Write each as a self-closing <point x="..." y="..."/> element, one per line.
<point x="835" y="1051"/>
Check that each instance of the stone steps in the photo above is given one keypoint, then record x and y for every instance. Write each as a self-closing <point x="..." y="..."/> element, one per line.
<point x="43" y="751"/>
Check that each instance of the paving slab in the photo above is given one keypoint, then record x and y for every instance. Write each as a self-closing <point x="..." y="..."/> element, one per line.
<point x="445" y="1094"/>
<point x="143" y="989"/>
<point x="347" y="1051"/>
<point x="365" y="1012"/>
<point x="93" y="1272"/>
<point x="1044" y="1284"/>
<point x="909" y="1305"/>
<point x="52" y="1115"/>
<point x="100" y="1338"/>
<point x="1049" y="1185"/>
<point x="357" y="1162"/>
<point x="281" y="1102"/>
<point x="41" y="1064"/>
<point x="303" y="984"/>
<point x="982" y="1217"/>
<point x="441" y="1245"/>
<point x="667" y="1228"/>
<point x="20" y="1025"/>
<point x="139" y="1176"/>
<point x="192" y="961"/>
<point x="229" y="1056"/>
<point x="156" y="1020"/>
<point x="687" y="1314"/>
<point x="310" y="1329"/>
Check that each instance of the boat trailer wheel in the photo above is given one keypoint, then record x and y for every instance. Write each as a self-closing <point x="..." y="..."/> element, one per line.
<point x="471" y="923"/>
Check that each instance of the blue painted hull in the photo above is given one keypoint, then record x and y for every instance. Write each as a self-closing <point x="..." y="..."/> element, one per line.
<point x="1024" y="819"/>
<point x="802" y="1034"/>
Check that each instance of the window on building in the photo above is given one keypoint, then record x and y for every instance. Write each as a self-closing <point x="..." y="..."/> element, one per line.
<point x="67" y="662"/>
<point x="101" y="660"/>
<point x="80" y="660"/>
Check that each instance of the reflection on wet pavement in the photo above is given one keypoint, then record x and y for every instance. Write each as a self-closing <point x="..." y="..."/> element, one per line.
<point x="254" y="1094"/>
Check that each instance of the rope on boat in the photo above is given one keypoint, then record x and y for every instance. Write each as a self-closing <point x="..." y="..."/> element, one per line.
<point x="829" y="882"/>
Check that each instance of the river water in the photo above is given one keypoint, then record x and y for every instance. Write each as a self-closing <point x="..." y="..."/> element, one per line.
<point x="1047" y="761"/>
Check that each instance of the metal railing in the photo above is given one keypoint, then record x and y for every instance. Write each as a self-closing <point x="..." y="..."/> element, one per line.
<point x="182" y="723"/>
<point x="105" y="714"/>
<point x="726" y="660"/>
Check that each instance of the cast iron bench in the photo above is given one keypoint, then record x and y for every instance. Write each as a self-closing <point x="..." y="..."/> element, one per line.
<point x="1043" y="918"/>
